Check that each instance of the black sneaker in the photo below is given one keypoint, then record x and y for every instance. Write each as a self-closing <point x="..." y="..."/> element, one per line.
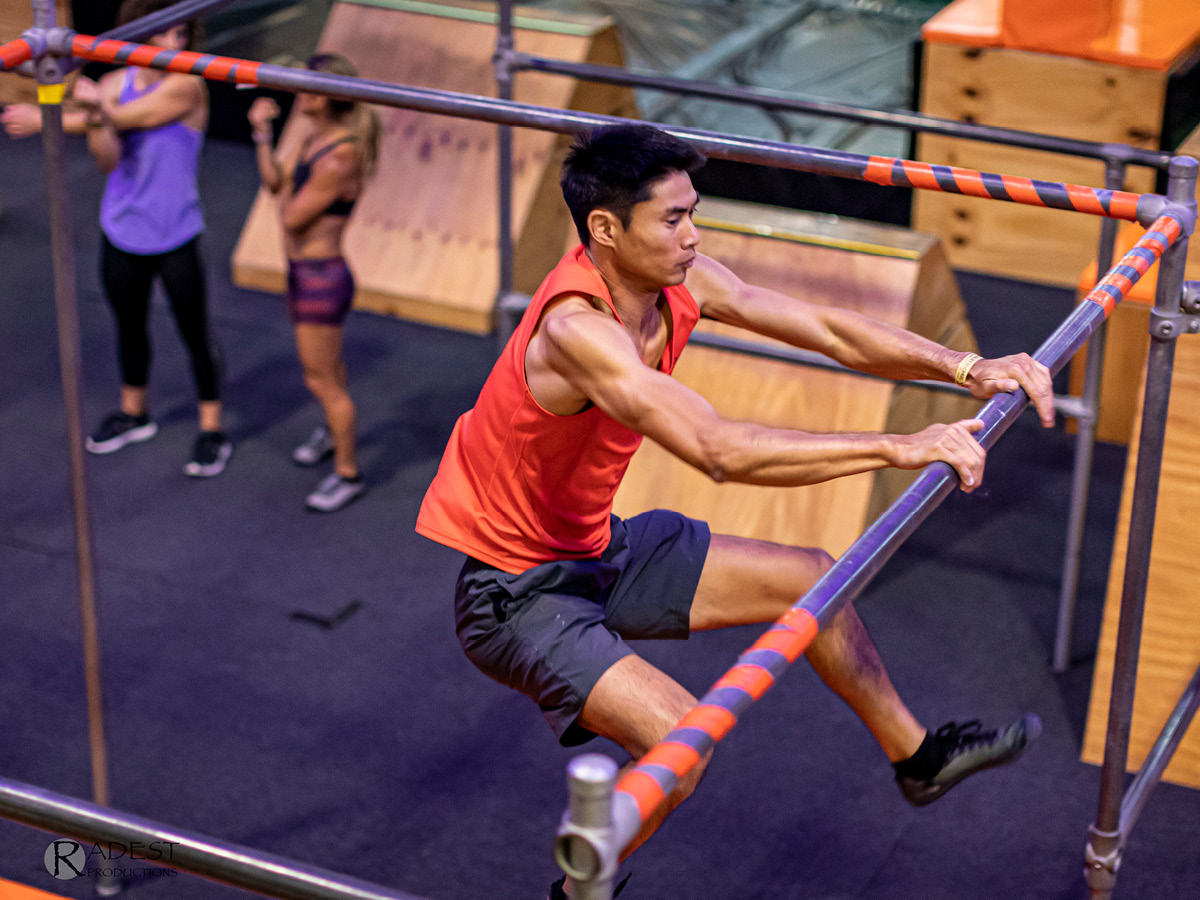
<point x="119" y="429"/>
<point x="967" y="749"/>
<point x="209" y="455"/>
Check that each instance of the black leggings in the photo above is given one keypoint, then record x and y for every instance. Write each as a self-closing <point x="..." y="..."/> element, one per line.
<point x="128" y="278"/>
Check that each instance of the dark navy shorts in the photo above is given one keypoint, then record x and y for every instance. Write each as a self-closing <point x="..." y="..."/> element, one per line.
<point x="551" y="632"/>
<point x="319" y="291"/>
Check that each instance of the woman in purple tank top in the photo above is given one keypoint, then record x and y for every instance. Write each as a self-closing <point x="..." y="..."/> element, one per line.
<point x="317" y="186"/>
<point x="145" y="129"/>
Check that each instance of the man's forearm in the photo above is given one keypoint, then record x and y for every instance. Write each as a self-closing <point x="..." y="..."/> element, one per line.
<point x="752" y="454"/>
<point x="870" y="345"/>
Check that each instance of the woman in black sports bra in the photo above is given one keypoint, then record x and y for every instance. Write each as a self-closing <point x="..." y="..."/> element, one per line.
<point x="317" y="190"/>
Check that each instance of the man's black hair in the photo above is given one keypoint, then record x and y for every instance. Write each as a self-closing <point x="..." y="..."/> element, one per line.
<point x="615" y="167"/>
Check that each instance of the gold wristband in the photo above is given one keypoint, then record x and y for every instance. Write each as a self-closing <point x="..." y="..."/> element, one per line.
<point x="965" y="366"/>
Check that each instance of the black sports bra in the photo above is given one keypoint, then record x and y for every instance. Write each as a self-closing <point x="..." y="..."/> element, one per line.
<point x="303" y="170"/>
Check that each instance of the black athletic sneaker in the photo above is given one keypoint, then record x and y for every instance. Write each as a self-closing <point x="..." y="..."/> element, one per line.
<point x="119" y="429"/>
<point x="967" y="749"/>
<point x="209" y="455"/>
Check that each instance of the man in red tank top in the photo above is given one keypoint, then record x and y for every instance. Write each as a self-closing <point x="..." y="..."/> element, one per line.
<point x="554" y="583"/>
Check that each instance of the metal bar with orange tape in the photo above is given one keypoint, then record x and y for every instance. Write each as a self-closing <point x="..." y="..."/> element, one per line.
<point x="888" y="170"/>
<point x="643" y="788"/>
<point x="1121" y="278"/>
<point x="881" y="170"/>
<point x="14" y="53"/>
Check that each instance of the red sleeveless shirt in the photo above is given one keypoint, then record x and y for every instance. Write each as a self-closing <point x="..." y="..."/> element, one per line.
<point x="519" y="486"/>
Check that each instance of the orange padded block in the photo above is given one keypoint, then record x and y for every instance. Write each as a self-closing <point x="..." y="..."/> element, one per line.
<point x="1144" y="34"/>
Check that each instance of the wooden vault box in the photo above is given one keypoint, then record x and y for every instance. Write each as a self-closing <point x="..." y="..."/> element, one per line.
<point x="890" y="273"/>
<point x="423" y="237"/>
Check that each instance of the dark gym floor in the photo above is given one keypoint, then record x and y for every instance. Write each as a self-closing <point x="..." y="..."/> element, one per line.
<point x="373" y="748"/>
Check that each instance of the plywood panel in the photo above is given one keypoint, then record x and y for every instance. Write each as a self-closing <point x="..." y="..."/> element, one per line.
<point x="1032" y="92"/>
<point x="422" y="240"/>
<point x="803" y="258"/>
<point x="1170" y="646"/>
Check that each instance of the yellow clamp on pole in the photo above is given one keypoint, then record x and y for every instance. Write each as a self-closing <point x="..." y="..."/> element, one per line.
<point x="51" y="94"/>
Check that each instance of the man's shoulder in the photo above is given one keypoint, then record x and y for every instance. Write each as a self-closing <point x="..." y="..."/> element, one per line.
<point x="570" y="323"/>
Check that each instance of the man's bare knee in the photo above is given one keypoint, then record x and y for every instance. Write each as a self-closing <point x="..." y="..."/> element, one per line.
<point x="635" y="705"/>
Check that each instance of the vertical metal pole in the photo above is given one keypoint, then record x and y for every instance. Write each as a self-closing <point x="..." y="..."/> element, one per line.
<point x="584" y="847"/>
<point x="1104" y="845"/>
<point x="50" y="94"/>
<point x="1085" y="443"/>
<point x="504" y="149"/>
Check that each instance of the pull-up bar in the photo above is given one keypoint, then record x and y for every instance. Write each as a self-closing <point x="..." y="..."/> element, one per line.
<point x="881" y="170"/>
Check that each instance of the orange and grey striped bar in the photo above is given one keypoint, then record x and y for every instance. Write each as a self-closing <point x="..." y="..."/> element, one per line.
<point x="124" y="53"/>
<point x="653" y="778"/>
<point x="14" y="53"/>
<point x="1133" y="265"/>
<point x="887" y="170"/>
<point x="878" y="169"/>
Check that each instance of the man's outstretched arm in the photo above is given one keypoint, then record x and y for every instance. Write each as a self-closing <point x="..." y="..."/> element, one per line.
<point x="859" y="341"/>
<point x="592" y="357"/>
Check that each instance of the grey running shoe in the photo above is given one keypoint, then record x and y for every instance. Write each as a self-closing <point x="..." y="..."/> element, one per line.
<point x="119" y="429"/>
<point x="316" y="449"/>
<point x="334" y="492"/>
<point x="967" y="749"/>
<point x="209" y="455"/>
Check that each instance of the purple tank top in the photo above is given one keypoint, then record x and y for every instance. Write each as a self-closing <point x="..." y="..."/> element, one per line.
<point x="151" y="203"/>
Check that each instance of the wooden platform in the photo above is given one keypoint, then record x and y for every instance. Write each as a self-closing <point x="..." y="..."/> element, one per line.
<point x="1075" y="98"/>
<point x="890" y="273"/>
<point x="422" y="240"/>
<point x="1170" y="647"/>
<point x="1114" y="89"/>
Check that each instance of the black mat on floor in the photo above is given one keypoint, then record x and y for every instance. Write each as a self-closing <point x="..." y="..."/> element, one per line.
<point x="373" y="748"/>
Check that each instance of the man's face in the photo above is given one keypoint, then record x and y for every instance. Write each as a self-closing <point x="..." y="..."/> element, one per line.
<point x="659" y="246"/>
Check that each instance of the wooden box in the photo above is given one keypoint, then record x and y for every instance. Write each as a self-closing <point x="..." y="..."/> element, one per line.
<point x="1129" y="85"/>
<point x="423" y="237"/>
<point x="891" y="273"/>
<point x="1170" y="644"/>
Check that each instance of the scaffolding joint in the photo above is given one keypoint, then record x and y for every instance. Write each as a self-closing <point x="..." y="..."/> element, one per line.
<point x="38" y="40"/>
<point x="1151" y="207"/>
<point x="1102" y="858"/>
<point x="1118" y="154"/>
<point x="505" y="60"/>
<point x="586" y="847"/>
<point x="1190" y="301"/>
<point x="1167" y="326"/>
<point x="60" y="40"/>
